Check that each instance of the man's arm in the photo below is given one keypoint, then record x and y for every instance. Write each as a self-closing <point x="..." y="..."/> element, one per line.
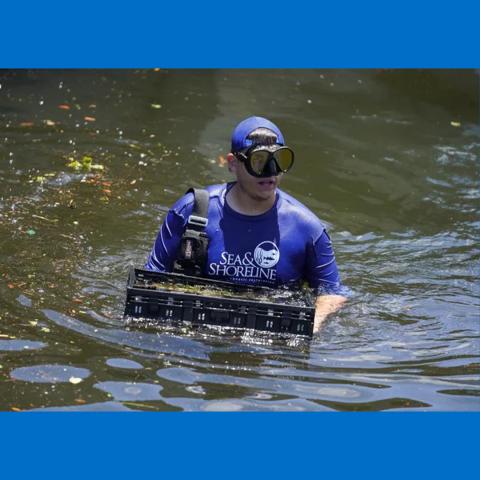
<point x="165" y="249"/>
<point x="325" y="305"/>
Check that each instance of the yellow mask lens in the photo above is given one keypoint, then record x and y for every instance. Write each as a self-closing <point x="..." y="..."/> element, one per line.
<point x="258" y="160"/>
<point x="284" y="158"/>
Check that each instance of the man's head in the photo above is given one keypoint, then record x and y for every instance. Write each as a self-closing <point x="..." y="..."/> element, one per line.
<point x="255" y="131"/>
<point x="259" y="156"/>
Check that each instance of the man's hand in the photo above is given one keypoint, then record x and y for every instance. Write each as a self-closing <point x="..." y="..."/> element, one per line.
<point x="325" y="305"/>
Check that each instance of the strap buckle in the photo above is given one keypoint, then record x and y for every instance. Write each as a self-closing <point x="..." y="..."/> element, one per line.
<point x="196" y="221"/>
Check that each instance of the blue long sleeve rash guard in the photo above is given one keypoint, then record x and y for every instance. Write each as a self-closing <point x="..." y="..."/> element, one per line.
<point x="286" y="245"/>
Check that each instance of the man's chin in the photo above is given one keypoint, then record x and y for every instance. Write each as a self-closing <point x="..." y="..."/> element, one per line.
<point x="263" y="195"/>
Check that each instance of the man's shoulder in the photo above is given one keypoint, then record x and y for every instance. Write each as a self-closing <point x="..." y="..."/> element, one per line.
<point x="186" y="202"/>
<point x="216" y="191"/>
<point x="298" y="212"/>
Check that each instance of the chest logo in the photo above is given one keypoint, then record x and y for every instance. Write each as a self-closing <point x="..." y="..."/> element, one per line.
<point x="266" y="254"/>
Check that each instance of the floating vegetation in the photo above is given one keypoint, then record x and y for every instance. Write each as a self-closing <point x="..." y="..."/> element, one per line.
<point x="84" y="164"/>
<point x="303" y="297"/>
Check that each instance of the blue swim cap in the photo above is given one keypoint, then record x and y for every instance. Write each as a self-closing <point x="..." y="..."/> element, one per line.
<point x="247" y="126"/>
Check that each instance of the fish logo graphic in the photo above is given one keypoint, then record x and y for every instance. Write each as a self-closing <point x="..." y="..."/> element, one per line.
<point x="266" y="254"/>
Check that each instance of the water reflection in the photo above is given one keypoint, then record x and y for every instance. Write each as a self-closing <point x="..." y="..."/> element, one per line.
<point x="19" y="345"/>
<point x="389" y="160"/>
<point x="124" y="391"/>
<point x="123" y="363"/>
<point x="50" y="374"/>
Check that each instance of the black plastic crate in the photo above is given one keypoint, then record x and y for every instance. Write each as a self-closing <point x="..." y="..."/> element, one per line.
<point x="148" y="297"/>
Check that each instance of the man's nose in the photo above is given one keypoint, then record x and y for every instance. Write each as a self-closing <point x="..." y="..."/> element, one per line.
<point x="271" y="168"/>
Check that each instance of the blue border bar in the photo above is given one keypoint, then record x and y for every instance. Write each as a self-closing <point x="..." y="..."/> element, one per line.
<point x="240" y="445"/>
<point x="247" y="34"/>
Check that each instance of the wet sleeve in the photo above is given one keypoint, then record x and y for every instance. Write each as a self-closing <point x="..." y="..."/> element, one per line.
<point x="167" y="244"/>
<point x="322" y="273"/>
<point x="165" y="248"/>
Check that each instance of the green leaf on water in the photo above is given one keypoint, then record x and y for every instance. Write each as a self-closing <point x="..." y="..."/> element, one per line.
<point x="87" y="161"/>
<point x="85" y="164"/>
<point x="31" y="232"/>
<point x="75" y="164"/>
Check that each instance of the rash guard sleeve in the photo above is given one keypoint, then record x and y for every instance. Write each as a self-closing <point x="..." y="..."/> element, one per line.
<point x="167" y="243"/>
<point x="321" y="269"/>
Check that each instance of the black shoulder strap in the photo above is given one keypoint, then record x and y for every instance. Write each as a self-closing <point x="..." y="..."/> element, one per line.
<point x="200" y="207"/>
<point x="192" y="254"/>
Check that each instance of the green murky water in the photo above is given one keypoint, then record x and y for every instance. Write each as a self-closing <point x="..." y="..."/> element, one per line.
<point x="390" y="160"/>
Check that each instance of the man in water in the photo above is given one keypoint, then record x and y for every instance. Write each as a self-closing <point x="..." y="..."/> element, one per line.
<point x="258" y="234"/>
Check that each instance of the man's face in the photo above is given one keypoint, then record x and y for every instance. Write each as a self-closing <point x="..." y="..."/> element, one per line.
<point x="259" y="189"/>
